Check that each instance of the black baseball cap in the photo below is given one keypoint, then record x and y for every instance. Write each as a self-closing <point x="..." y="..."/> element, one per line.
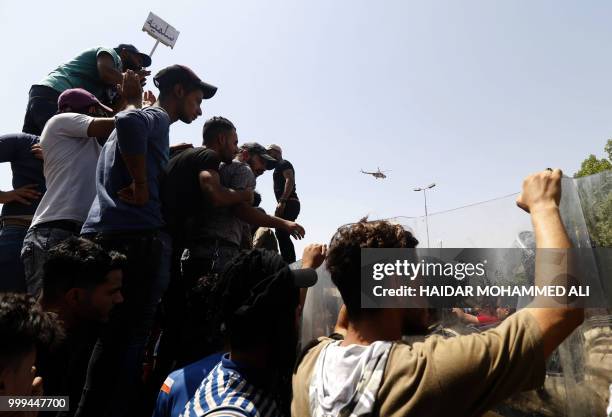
<point x="256" y="148"/>
<point x="146" y="59"/>
<point x="180" y="74"/>
<point x="268" y="287"/>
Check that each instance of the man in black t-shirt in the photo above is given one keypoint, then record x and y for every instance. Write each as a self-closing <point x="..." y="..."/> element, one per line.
<point x="288" y="206"/>
<point x="190" y="189"/>
<point x="191" y="184"/>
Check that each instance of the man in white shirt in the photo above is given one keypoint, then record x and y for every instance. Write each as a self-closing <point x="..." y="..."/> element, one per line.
<point x="71" y="143"/>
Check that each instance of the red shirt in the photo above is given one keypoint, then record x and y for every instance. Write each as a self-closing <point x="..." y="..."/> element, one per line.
<point x="486" y="319"/>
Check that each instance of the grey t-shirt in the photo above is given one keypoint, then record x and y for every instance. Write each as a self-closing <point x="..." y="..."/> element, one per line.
<point x="221" y="223"/>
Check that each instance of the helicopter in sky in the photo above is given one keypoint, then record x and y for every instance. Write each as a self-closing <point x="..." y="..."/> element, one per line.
<point x="378" y="174"/>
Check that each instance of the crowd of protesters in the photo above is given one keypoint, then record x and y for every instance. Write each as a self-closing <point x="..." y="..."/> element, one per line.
<point x="139" y="278"/>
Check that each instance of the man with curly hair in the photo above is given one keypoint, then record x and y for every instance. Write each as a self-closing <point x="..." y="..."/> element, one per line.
<point x="372" y="372"/>
<point x="259" y="303"/>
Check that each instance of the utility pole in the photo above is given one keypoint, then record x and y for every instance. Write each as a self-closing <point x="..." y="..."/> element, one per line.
<point x="424" y="189"/>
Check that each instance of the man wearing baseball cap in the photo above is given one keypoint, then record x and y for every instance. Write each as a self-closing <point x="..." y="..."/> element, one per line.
<point x="259" y="299"/>
<point x="97" y="70"/>
<point x="221" y="231"/>
<point x="71" y="143"/>
<point x="126" y="216"/>
<point x="257" y="157"/>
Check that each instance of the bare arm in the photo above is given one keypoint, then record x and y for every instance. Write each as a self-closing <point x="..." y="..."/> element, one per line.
<point x="465" y="317"/>
<point x="132" y="136"/>
<point x="540" y="197"/>
<point x="24" y="195"/>
<point x="106" y="70"/>
<point x="220" y="196"/>
<point x="289" y="184"/>
<point x="312" y="257"/>
<point x="101" y="127"/>
<point x="255" y="217"/>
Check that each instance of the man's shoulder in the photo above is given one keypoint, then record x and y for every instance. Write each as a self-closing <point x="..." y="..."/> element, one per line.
<point x="151" y="114"/>
<point x="203" y="152"/>
<point x="237" y="175"/>
<point x="65" y="126"/>
<point x="302" y="374"/>
<point x="67" y="119"/>
<point x="461" y="352"/>
<point x="309" y="354"/>
<point x="283" y="165"/>
<point x="235" y="166"/>
<point x="201" y="158"/>
<point x="250" y="398"/>
<point x="104" y="49"/>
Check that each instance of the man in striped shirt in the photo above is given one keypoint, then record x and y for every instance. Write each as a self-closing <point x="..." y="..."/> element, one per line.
<point x="260" y="304"/>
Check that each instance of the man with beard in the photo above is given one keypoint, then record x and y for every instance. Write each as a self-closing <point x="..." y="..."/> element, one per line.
<point x="207" y="208"/>
<point x="71" y="144"/>
<point x="372" y="371"/>
<point x="126" y="216"/>
<point x="260" y="312"/>
<point x="97" y="70"/>
<point x="191" y="187"/>
<point x="219" y="234"/>
<point x="190" y="191"/>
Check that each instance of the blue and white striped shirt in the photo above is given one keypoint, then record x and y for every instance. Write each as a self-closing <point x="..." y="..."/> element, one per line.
<point x="226" y="388"/>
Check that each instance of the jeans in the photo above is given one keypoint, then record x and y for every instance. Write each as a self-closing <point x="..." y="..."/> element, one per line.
<point x="292" y="210"/>
<point x="114" y="376"/>
<point x="11" y="241"/>
<point x="42" y="105"/>
<point x="34" y="254"/>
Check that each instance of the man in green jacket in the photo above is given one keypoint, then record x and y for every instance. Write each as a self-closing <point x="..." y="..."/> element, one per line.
<point x="97" y="70"/>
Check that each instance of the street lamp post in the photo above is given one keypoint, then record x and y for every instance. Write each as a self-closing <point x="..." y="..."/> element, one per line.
<point x="424" y="189"/>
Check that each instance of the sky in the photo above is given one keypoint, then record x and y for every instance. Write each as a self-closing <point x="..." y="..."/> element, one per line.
<point x="471" y="95"/>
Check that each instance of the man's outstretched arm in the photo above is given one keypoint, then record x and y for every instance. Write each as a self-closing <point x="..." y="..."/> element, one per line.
<point x="540" y="197"/>
<point x="256" y="217"/>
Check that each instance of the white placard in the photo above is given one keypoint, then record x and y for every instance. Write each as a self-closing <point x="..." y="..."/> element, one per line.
<point x="160" y="30"/>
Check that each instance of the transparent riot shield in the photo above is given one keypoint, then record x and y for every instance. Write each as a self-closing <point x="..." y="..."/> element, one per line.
<point x="579" y="373"/>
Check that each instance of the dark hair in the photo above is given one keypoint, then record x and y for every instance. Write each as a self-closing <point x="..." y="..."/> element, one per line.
<point x="213" y="127"/>
<point x="344" y="255"/>
<point x="78" y="263"/>
<point x="255" y="308"/>
<point x="23" y="327"/>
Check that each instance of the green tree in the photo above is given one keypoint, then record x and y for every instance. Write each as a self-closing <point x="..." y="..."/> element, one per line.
<point x="596" y="196"/>
<point x="592" y="165"/>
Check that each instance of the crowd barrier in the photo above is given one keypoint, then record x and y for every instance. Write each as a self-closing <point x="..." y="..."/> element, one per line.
<point x="579" y="373"/>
